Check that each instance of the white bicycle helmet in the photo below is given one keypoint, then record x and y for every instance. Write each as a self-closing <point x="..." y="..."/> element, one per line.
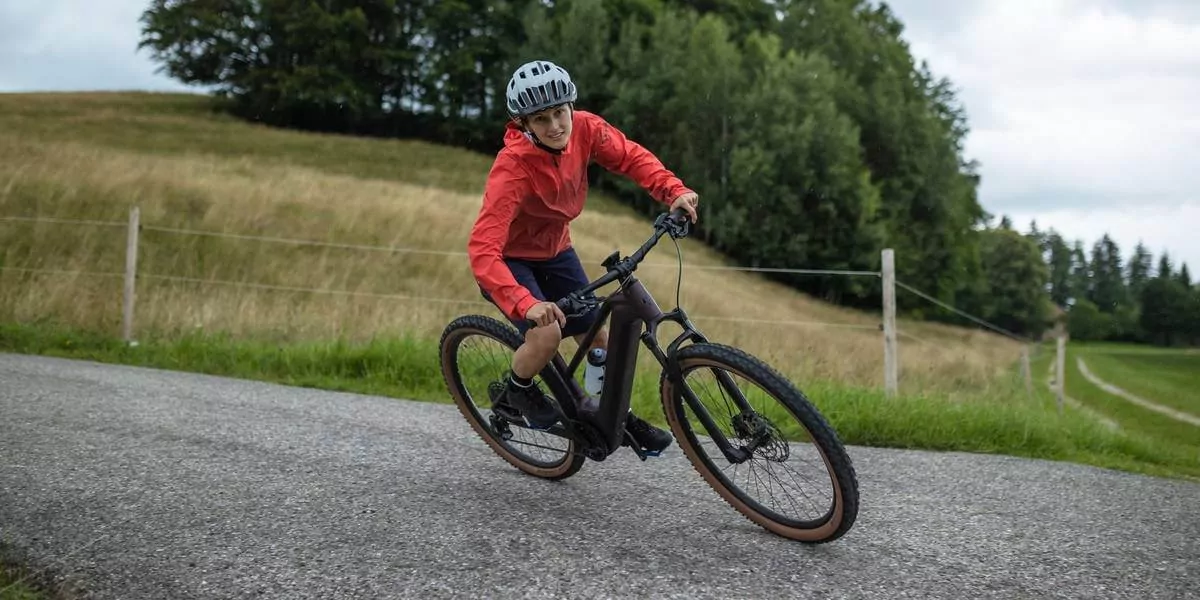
<point x="538" y="85"/>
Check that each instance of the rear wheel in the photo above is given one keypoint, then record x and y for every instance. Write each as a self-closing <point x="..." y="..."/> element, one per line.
<point x="476" y="351"/>
<point x="796" y="479"/>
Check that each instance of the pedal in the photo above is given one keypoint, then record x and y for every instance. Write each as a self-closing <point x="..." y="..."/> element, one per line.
<point x="641" y="452"/>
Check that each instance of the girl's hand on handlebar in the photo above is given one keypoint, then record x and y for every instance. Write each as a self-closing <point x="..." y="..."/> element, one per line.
<point x="545" y="313"/>
<point x="687" y="202"/>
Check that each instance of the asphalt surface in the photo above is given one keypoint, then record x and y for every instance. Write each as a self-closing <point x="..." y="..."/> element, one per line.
<point x="135" y="483"/>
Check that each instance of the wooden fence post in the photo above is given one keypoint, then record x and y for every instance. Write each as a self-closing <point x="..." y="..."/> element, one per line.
<point x="1060" y="382"/>
<point x="890" y="370"/>
<point x="131" y="248"/>
<point x="1027" y="371"/>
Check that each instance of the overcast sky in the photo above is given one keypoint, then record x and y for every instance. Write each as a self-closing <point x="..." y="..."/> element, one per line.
<point x="1084" y="114"/>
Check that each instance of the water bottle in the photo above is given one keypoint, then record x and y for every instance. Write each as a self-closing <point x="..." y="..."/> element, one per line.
<point x="593" y="374"/>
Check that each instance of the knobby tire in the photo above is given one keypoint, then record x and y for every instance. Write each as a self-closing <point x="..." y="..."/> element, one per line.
<point x="452" y="337"/>
<point x="840" y="518"/>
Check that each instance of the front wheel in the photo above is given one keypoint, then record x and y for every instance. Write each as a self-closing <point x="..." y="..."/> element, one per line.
<point x="791" y="475"/>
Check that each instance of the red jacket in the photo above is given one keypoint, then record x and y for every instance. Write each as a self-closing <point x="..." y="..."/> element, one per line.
<point x="532" y="195"/>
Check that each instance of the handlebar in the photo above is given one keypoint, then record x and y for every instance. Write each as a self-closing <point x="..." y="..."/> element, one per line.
<point x="675" y="224"/>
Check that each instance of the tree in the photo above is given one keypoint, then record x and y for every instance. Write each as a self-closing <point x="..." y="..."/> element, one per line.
<point x="1016" y="278"/>
<point x="1059" y="263"/>
<point x="1081" y="276"/>
<point x="577" y="34"/>
<point x="911" y="129"/>
<point x="1193" y="318"/>
<point x="1107" y="286"/>
<point x="803" y="195"/>
<point x="1139" y="268"/>
<point x="677" y="83"/>
<point x="301" y="64"/>
<point x="1184" y="276"/>
<point x="1086" y="323"/>
<point x="1166" y="308"/>
<point x="1164" y="267"/>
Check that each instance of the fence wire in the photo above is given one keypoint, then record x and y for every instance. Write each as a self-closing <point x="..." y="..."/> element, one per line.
<point x="64" y="221"/>
<point x="61" y="272"/>
<point x="996" y="328"/>
<point x="402" y="297"/>
<point x="287" y="288"/>
<point x="397" y="249"/>
<point x="409" y="250"/>
<point x="299" y="242"/>
<point x="768" y="270"/>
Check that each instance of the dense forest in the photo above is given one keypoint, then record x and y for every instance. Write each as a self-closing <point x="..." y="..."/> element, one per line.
<point x="1134" y="299"/>
<point x="812" y="135"/>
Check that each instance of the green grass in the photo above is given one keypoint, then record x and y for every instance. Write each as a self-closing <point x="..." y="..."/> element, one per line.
<point x="14" y="587"/>
<point x="408" y="368"/>
<point x="1164" y="376"/>
<point x="145" y="120"/>
<point x="175" y="124"/>
<point x="1170" y="436"/>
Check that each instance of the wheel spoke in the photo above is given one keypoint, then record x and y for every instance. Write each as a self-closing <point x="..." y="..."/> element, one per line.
<point x="811" y="499"/>
<point x="479" y="351"/>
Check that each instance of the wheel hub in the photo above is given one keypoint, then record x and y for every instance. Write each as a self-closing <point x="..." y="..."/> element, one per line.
<point x="764" y="438"/>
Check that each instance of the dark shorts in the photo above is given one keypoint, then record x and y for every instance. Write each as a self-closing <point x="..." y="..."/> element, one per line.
<point x="550" y="280"/>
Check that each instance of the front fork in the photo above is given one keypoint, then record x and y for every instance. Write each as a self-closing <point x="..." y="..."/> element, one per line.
<point x="738" y="454"/>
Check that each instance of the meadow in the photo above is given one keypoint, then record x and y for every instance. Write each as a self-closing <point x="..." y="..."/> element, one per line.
<point x="1166" y="376"/>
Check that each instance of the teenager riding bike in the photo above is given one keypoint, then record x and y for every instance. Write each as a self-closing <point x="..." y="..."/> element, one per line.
<point x="520" y="247"/>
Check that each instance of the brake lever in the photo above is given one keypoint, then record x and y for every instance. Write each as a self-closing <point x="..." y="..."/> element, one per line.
<point x="676" y="228"/>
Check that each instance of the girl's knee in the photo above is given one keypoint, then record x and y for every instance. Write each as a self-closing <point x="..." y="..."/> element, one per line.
<point x="544" y="339"/>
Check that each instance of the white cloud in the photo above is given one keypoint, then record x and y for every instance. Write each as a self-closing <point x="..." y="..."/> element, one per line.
<point x="1082" y="113"/>
<point x="75" y="45"/>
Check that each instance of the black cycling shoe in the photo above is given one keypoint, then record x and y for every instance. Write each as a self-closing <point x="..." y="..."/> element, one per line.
<point x="522" y="405"/>
<point x="652" y="439"/>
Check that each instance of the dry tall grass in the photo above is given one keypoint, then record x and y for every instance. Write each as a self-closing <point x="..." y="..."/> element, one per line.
<point x="94" y="156"/>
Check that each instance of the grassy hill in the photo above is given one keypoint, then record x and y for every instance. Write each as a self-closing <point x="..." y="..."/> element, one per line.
<point x="93" y="156"/>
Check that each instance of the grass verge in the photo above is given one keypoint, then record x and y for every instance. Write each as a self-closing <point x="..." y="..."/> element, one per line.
<point x="15" y="584"/>
<point x="407" y="367"/>
<point x="10" y="589"/>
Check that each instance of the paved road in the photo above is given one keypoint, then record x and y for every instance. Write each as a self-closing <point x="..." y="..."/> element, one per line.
<point x="135" y="483"/>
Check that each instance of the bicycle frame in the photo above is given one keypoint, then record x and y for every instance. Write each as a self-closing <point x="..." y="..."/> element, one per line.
<point x="627" y="310"/>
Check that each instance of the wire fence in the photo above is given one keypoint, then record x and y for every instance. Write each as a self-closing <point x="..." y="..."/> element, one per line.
<point x="405" y="250"/>
<point x="973" y="318"/>
<point x="134" y="228"/>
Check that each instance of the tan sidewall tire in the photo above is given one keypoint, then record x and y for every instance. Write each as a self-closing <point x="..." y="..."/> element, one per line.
<point x="671" y="407"/>
<point x="451" y="338"/>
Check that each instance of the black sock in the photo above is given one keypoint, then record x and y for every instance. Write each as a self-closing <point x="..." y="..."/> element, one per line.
<point x="519" y="381"/>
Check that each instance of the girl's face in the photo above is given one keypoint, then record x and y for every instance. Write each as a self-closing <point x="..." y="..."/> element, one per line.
<point x="552" y="126"/>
